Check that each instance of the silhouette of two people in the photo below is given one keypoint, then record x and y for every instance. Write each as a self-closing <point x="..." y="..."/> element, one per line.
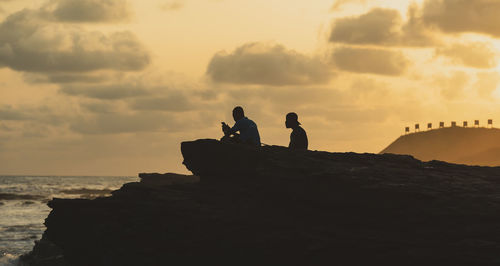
<point x="249" y="133"/>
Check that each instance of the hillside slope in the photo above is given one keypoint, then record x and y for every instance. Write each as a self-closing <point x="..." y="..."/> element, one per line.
<point x="473" y="146"/>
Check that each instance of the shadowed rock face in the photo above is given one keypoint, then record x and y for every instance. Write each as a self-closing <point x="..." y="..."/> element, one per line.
<point x="472" y="146"/>
<point x="273" y="206"/>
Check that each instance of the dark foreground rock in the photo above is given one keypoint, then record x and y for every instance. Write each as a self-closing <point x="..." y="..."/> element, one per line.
<point x="271" y="206"/>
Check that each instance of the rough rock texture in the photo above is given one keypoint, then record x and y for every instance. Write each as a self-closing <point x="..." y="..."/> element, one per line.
<point x="472" y="146"/>
<point x="272" y="206"/>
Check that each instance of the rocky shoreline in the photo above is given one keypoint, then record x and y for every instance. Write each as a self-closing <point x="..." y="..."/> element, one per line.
<point x="269" y="205"/>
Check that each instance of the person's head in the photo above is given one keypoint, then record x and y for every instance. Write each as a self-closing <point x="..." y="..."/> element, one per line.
<point x="292" y="120"/>
<point x="238" y="113"/>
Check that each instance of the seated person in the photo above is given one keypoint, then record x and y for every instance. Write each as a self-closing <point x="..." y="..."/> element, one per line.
<point x="249" y="133"/>
<point x="298" y="137"/>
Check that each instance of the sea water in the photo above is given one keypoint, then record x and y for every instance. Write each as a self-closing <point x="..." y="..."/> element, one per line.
<point x="23" y="206"/>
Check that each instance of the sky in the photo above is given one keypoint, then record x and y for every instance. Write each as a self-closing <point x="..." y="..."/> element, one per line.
<point x="112" y="87"/>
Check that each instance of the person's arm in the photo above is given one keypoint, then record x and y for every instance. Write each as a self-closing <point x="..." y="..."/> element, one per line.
<point x="226" y="129"/>
<point x="306" y="141"/>
<point x="235" y="128"/>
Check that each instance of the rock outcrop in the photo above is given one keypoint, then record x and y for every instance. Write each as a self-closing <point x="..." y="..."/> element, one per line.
<point x="472" y="146"/>
<point x="273" y="206"/>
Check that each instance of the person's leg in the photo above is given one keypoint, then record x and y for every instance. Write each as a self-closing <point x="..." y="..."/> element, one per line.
<point x="235" y="138"/>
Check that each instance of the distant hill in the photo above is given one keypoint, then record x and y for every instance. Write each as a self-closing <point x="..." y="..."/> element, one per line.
<point x="472" y="146"/>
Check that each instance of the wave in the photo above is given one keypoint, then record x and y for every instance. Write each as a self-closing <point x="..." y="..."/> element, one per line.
<point x="87" y="191"/>
<point x="14" y="196"/>
<point x="9" y="260"/>
<point x="22" y="228"/>
<point x="30" y="199"/>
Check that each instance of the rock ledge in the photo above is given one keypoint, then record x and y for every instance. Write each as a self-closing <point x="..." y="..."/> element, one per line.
<point x="269" y="205"/>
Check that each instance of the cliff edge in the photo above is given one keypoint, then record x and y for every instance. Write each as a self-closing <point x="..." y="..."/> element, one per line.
<point x="273" y="206"/>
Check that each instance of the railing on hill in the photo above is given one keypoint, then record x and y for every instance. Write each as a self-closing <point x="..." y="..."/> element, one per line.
<point x="452" y="124"/>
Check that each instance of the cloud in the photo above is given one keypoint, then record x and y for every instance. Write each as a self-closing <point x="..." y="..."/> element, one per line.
<point x="367" y="60"/>
<point x="258" y="63"/>
<point x="459" y="16"/>
<point x="172" y="6"/>
<point x="105" y="92"/>
<point x="134" y="122"/>
<point x="340" y="3"/>
<point x="77" y="11"/>
<point x="476" y="54"/>
<point x="451" y="85"/>
<point x="381" y="26"/>
<point x="40" y="114"/>
<point x="99" y="107"/>
<point x="414" y="32"/>
<point x="62" y="78"/>
<point x="175" y="101"/>
<point x="29" y="43"/>
<point x="487" y="83"/>
<point x="378" y="26"/>
<point x="9" y="113"/>
<point x="116" y="123"/>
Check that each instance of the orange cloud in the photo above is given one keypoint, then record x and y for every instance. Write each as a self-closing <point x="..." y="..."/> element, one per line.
<point x="89" y="10"/>
<point x="30" y="43"/>
<point x="367" y="60"/>
<point x="382" y="26"/>
<point x="459" y="16"/>
<point x="258" y="63"/>
<point x="476" y="55"/>
<point x="340" y="3"/>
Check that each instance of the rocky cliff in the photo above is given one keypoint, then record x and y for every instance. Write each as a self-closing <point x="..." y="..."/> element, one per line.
<point x="273" y="206"/>
<point x="472" y="146"/>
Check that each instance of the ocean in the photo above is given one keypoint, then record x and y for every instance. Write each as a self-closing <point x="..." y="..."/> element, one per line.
<point x="23" y="206"/>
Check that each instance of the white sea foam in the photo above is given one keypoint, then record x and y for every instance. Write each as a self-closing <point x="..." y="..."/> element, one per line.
<point x="9" y="260"/>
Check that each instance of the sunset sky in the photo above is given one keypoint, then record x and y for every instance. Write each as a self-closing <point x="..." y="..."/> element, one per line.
<point x="111" y="87"/>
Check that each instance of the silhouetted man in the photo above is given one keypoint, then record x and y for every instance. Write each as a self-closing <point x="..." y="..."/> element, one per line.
<point x="249" y="132"/>
<point x="298" y="137"/>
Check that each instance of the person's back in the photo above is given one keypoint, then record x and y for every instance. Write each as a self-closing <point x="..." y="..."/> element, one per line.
<point x="249" y="133"/>
<point x="298" y="137"/>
